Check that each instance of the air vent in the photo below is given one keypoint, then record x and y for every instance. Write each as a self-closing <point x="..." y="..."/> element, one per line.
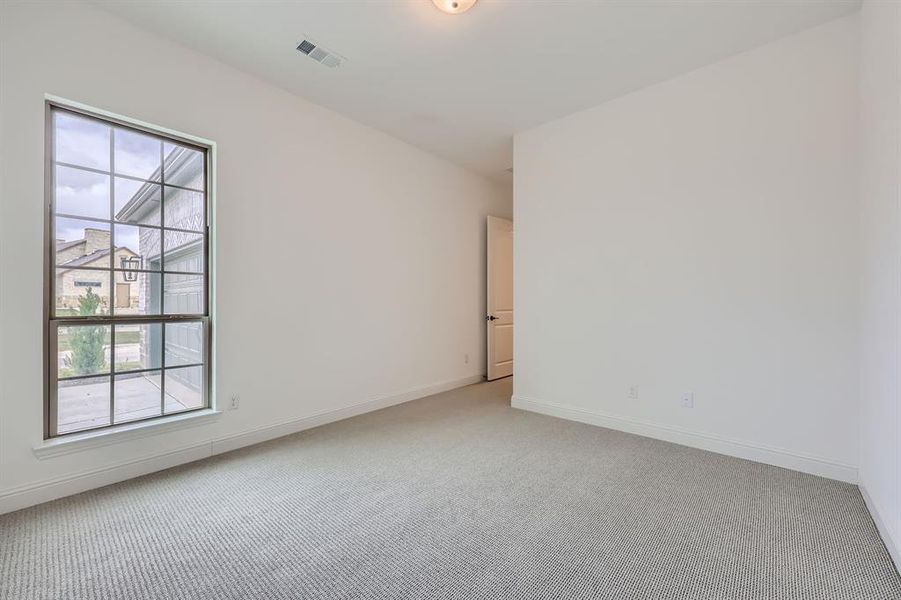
<point x="319" y="54"/>
<point x="306" y="46"/>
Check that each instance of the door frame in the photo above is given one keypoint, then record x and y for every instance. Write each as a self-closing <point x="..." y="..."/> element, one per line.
<point x="489" y="291"/>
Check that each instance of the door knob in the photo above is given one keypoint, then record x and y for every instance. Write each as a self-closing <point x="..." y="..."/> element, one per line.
<point x="491" y="318"/>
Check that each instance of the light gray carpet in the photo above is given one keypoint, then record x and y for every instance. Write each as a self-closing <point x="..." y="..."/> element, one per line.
<point x="454" y="496"/>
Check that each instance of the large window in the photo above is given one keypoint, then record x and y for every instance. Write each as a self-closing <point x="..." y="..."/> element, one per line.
<point x="128" y="321"/>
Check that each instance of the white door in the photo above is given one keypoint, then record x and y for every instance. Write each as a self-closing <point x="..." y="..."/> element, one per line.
<point x="500" y="298"/>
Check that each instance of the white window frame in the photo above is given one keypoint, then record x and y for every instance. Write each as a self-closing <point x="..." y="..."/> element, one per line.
<point x="52" y="322"/>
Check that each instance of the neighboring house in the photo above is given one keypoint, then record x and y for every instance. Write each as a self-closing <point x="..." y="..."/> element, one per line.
<point x="73" y="282"/>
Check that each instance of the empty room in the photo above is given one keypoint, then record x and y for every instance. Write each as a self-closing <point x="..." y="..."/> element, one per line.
<point x="450" y="299"/>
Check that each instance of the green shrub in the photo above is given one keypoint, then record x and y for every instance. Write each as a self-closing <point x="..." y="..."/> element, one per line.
<point x="87" y="342"/>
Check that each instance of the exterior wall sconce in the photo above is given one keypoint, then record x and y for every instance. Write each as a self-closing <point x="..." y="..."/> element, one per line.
<point x="131" y="263"/>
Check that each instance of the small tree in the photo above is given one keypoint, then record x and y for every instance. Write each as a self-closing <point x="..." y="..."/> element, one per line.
<point x="87" y="342"/>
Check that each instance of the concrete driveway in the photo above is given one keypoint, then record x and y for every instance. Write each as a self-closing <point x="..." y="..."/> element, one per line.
<point x="85" y="403"/>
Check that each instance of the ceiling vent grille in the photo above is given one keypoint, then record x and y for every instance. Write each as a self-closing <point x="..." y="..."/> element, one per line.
<point x="319" y="54"/>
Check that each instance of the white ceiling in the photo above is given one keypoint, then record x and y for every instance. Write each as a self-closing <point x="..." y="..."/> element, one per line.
<point x="461" y="86"/>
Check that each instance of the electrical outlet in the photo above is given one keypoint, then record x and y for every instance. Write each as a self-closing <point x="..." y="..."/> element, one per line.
<point x="632" y="392"/>
<point x="688" y="400"/>
<point x="466" y="358"/>
<point x="236" y="401"/>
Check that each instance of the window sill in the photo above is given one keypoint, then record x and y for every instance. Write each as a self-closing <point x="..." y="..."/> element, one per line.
<point x="87" y="440"/>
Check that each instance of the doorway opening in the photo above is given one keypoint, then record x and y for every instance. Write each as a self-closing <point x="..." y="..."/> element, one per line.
<point x="499" y="318"/>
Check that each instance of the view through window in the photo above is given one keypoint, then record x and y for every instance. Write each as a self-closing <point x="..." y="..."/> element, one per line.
<point x="128" y="315"/>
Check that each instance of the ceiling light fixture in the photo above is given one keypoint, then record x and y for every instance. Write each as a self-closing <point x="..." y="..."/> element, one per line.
<point x="453" y="7"/>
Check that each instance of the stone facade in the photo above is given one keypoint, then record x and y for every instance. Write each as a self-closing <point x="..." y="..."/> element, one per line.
<point x="74" y="282"/>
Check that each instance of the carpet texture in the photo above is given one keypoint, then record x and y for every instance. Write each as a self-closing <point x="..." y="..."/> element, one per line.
<point x="454" y="496"/>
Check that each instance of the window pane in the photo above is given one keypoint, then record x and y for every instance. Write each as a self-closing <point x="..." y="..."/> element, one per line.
<point x="137" y="396"/>
<point x="138" y="347"/>
<point x="184" y="389"/>
<point x="82" y="404"/>
<point x="136" y="201"/>
<point x="136" y="293"/>
<point x="137" y="248"/>
<point x="80" y="141"/>
<point x="183" y="294"/>
<point x="83" y="350"/>
<point x="81" y="293"/>
<point x="184" y="343"/>
<point x="184" y="209"/>
<point x="81" y="243"/>
<point x="183" y="251"/>
<point x="81" y="193"/>
<point x="184" y="166"/>
<point x="137" y="155"/>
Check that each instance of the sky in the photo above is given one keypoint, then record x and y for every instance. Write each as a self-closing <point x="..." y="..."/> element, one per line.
<point x="85" y="142"/>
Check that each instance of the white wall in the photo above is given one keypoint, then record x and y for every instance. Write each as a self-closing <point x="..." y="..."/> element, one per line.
<point x="699" y="235"/>
<point x="880" y="193"/>
<point x="350" y="265"/>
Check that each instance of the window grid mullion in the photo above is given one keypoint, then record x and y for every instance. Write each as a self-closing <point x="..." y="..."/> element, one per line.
<point x="132" y="372"/>
<point x="163" y="277"/>
<point x="112" y="280"/>
<point x="120" y="270"/>
<point x="131" y="224"/>
<point x="58" y="163"/>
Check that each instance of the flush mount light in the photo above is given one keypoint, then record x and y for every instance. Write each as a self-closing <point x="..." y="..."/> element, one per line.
<point x="453" y="7"/>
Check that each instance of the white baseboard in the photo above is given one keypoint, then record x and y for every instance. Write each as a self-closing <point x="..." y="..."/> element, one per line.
<point x="892" y="540"/>
<point x="276" y="430"/>
<point x="741" y="449"/>
<point x="44" y="491"/>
